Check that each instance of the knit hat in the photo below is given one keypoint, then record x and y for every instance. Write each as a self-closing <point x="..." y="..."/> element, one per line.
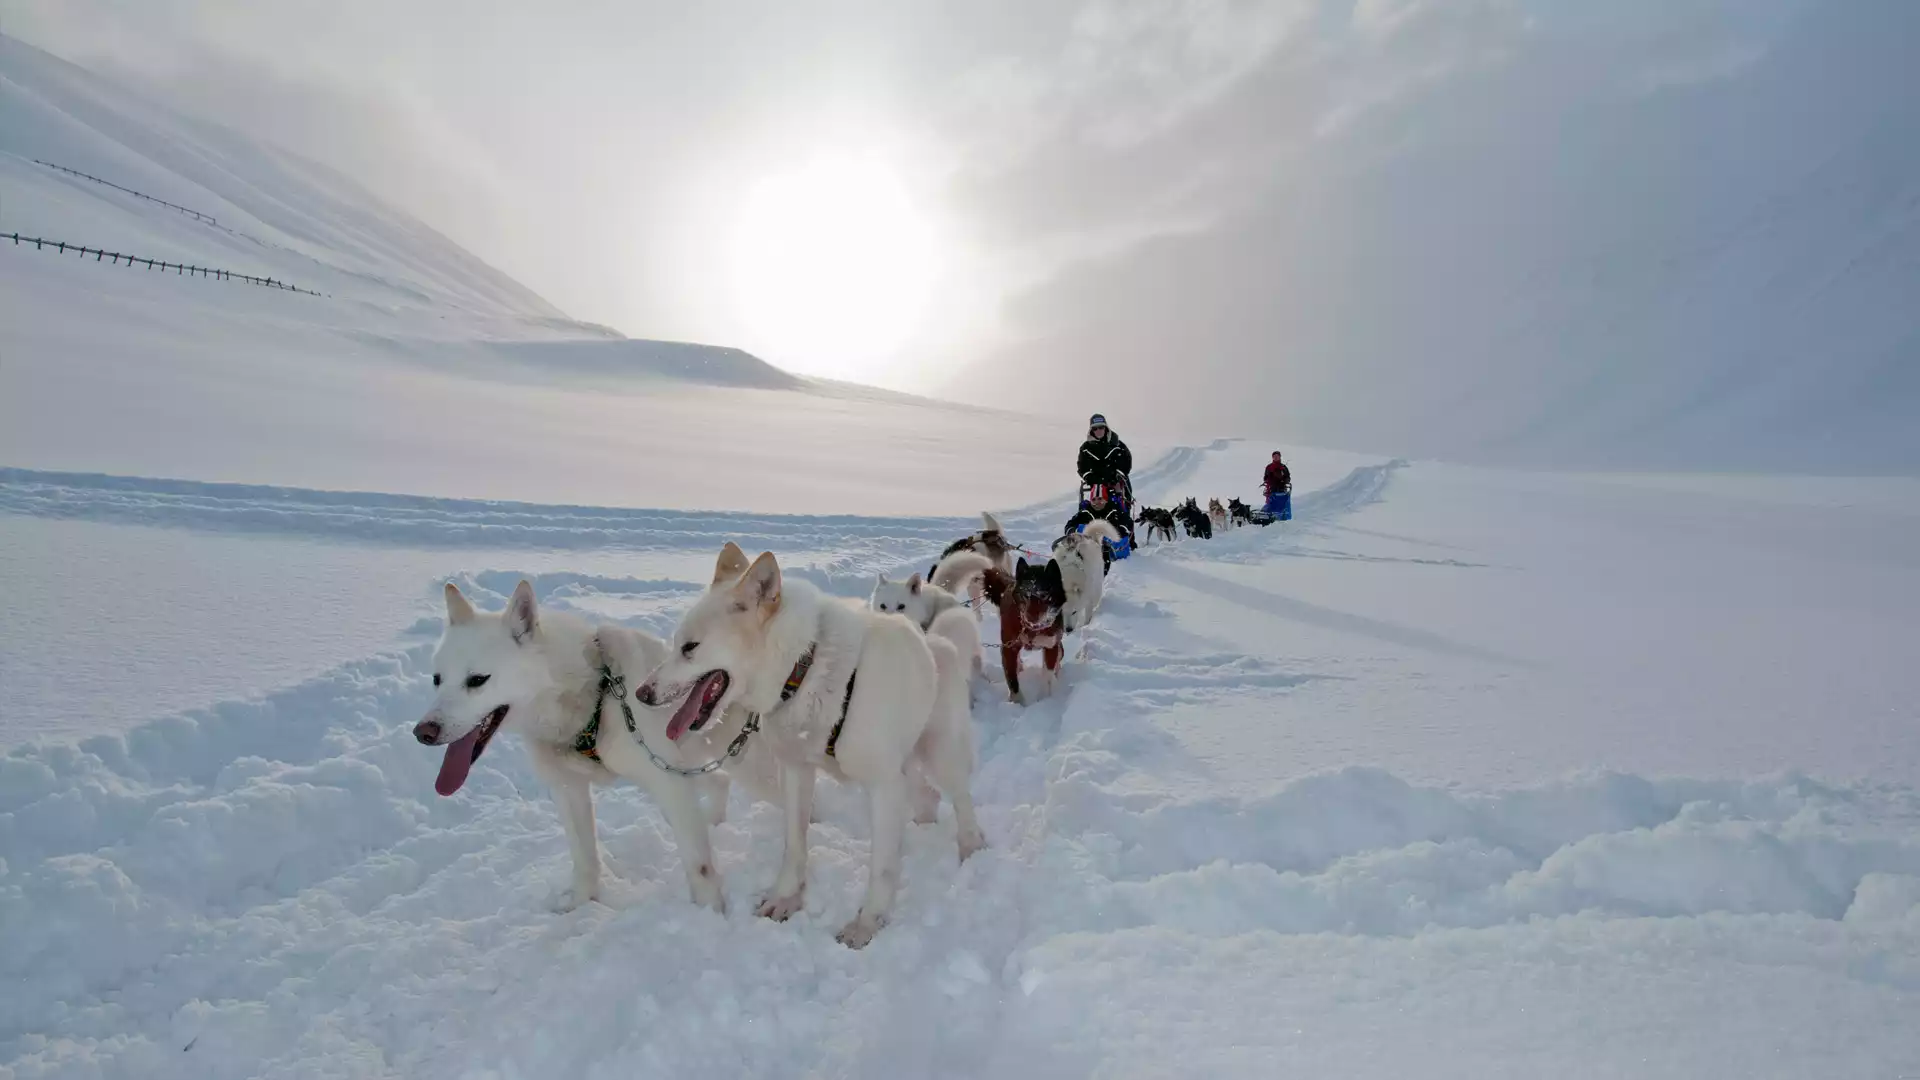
<point x="1097" y="421"/>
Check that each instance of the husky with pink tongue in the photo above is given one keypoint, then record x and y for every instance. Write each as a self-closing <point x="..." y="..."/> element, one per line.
<point x="565" y="687"/>
<point x="862" y="695"/>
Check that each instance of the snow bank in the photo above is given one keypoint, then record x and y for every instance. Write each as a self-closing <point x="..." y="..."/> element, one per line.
<point x="274" y="885"/>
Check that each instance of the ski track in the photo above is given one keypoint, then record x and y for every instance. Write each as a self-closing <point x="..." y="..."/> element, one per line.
<point x="269" y="887"/>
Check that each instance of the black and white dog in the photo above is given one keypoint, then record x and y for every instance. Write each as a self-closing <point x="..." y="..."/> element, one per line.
<point x="1194" y="520"/>
<point x="1157" y="521"/>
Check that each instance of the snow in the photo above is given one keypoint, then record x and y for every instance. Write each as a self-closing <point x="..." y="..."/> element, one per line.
<point x="423" y="370"/>
<point x="1343" y="834"/>
<point x="1463" y="772"/>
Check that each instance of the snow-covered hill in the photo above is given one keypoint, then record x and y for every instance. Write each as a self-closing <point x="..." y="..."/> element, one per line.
<point x="422" y="370"/>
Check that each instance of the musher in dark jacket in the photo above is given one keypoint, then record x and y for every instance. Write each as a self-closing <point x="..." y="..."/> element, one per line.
<point x="1105" y="466"/>
<point x="1104" y="459"/>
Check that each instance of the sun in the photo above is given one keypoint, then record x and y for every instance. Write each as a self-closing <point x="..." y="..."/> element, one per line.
<point x="833" y="267"/>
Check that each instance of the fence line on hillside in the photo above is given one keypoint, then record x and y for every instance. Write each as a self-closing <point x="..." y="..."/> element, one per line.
<point x="195" y="214"/>
<point x="179" y="269"/>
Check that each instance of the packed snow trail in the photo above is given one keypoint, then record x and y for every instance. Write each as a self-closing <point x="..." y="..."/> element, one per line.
<point x="270" y="887"/>
<point x="425" y="521"/>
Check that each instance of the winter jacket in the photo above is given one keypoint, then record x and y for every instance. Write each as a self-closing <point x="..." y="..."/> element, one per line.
<point x="1113" y="515"/>
<point x="1278" y="478"/>
<point x="1105" y="461"/>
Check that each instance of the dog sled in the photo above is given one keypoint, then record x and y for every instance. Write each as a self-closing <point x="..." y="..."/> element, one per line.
<point x="1279" y="507"/>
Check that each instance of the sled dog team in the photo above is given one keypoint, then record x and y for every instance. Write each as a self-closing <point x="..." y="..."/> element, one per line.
<point x="1199" y="524"/>
<point x="767" y="680"/>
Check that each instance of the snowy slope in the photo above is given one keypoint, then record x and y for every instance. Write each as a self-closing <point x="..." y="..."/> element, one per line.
<point x="422" y="370"/>
<point x="1321" y="795"/>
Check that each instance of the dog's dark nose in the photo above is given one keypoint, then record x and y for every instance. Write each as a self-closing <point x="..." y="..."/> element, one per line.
<point x="647" y="695"/>
<point x="427" y="731"/>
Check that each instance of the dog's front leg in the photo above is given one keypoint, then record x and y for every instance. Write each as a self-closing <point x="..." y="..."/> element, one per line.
<point x="887" y="803"/>
<point x="574" y="797"/>
<point x="680" y="802"/>
<point x="1010" y="663"/>
<point x="1053" y="654"/>
<point x="789" y="889"/>
<point x="717" y="786"/>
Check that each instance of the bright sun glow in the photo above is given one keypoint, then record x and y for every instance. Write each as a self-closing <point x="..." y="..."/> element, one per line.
<point x="832" y="267"/>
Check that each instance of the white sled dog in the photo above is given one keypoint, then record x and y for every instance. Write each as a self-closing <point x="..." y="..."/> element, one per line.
<point x="934" y="609"/>
<point x="862" y="695"/>
<point x="564" y="687"/>
<point x="1083" y="571"/>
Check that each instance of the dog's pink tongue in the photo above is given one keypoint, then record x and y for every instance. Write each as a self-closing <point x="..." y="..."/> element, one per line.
<point x="453" y="767"/>
<point x="689" y="710"/>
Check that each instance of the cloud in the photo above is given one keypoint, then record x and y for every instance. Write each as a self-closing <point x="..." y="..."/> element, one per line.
<point x="1481" y="239"/>
<point x="1449" y="226"/>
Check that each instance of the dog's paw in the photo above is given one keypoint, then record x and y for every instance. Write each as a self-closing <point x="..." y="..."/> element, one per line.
<point x="571" y="898"/>
<point x="971" y="841"/>
<point x="782" y="908"/>
<point x="705" y="886"/>
<point x="859" y="933"/>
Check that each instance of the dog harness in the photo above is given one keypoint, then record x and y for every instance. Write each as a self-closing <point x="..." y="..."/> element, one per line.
<point x="587" y="743"/>
<point x="833" y="737"/>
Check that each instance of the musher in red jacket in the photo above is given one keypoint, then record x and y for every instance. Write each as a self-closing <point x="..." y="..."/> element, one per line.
<point x="1278" y="481"/>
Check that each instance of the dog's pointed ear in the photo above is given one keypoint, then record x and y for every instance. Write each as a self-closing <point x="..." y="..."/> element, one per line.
<point x="1020" y="568"/>
<point x="1056" y="584"/>
<point x="523" y="615"/>
<point x="731" y="564"/>
<point x="913" y="584"/>
<point x="759" y="587"/>
<point x="458" y="609"/>
<point x="989" y="523"/>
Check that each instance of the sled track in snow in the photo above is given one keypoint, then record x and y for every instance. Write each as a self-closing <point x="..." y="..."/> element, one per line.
<point x="423" y="521"/>
<point x="1359" y="488"/>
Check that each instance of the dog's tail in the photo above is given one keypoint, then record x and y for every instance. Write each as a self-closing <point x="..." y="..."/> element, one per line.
<point x="956" y="572"/>
<point x="989" y="523"/>
<point x="1101" y="530"/>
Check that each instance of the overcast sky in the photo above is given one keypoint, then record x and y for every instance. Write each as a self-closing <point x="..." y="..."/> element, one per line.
<point x="1277" y="197"/>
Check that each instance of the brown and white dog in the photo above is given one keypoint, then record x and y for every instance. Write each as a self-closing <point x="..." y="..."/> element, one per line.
<point x="1217" y="514"/>
<point x="1032" y="602"/>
